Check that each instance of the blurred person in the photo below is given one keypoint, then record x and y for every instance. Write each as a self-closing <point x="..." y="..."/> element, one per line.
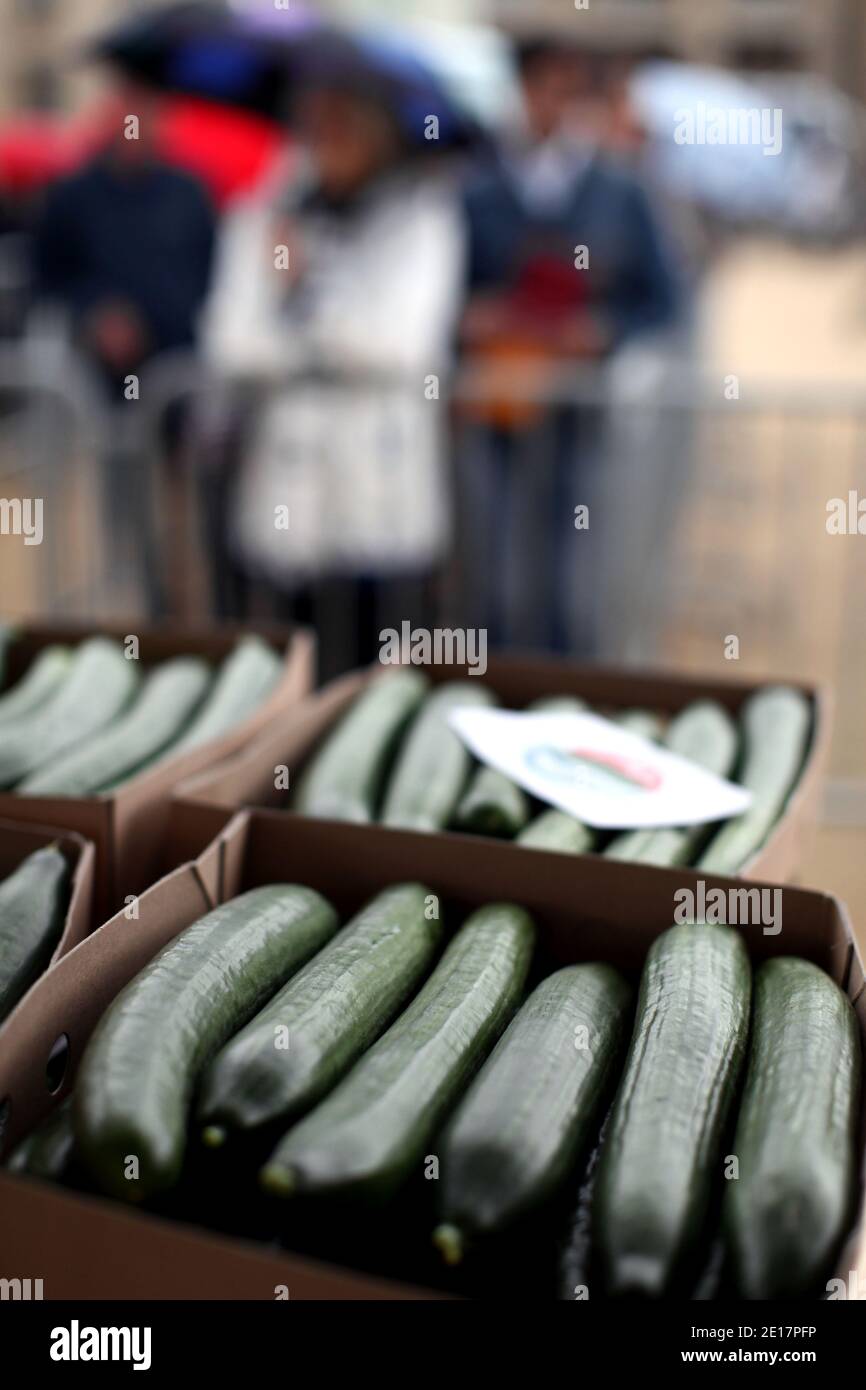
<point x="124" y="246"/>
<point x="568" y="263"/>
<point x="335" y="301"/>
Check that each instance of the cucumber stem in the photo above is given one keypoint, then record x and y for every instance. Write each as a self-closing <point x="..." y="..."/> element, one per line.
<point x="279" y="1181"/>
<point x="449" y="1242"/>
<point x="214" y="1136"/>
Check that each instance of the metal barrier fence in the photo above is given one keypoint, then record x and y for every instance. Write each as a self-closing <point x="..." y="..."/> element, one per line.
<point x="708" y="516"/>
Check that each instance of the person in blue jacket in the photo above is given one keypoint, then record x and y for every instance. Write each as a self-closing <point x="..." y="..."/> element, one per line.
<point x="568" y="262"/>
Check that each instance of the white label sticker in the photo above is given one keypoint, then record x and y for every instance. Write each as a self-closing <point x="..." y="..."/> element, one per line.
<point x="598" y="771"/>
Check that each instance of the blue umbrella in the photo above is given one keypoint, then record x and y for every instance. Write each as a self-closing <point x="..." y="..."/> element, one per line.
<point x="257" y="59"/>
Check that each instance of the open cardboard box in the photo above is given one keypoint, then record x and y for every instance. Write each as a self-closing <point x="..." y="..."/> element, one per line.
<point x="248" y="778"/>
<point x="585" y="909"/>
<point x="127" y="825"/>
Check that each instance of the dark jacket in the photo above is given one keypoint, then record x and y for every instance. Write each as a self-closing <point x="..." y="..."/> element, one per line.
<point x="631" y="278"/>
<point x="145" y="236"/>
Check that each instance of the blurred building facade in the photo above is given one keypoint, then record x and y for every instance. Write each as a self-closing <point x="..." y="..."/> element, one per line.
<point x="823" y="36"/>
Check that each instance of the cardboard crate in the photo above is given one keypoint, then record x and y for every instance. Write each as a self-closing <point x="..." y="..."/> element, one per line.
<point x="127" y="825"/>
<point x="585" y="909"/>
<point x="247" y="779"/>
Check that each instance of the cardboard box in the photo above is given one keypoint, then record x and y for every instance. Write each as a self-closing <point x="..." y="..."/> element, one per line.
<point x="247" y="779"/>
<point x="585" y="909"/>
<point x="127" y="826"/>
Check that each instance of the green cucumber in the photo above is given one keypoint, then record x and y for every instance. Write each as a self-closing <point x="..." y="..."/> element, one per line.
<point x="169" y="697"/>
<point x="42" y="679"/>
<point x="494" y="805"/>
<point x="312" y="1031"/>
<point x="48" y="1151"/>
<point x="554" y="829"/>
<point x="661" y="1156"/>
<point x="776" y="725"/>
<point x="33" y="906"/>
<point x="789" y="1208"/>
<point x="557" y="830"/>
<point x="137" y="1075"/>
<point x="705" y="734"/>
<point x="433" y="764"/>
<point x="364" y="1140"/>
<point x="343" y="780"/>
<point x="644" y="723"/>
<point x="240" y="687"/>
<point x="491" y="805"/>
<point x="534" y="1106"/>
<point x="100" y="684"/>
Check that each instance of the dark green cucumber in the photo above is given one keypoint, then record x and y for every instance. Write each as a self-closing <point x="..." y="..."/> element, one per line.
<point x="553" y="829"/>
<point x="47" y="1152"/>
<point x="705" y="734"/>
<point x="776" y="725"/>
<point x="39" y="682"/>
<point x="557" y="830"/>
<point x="661" y="1156"/>
<point x="433" y="764"/>
<point x="137" y="1075"/>
<point x="363" y="1141"/>
<point x="534" y="1106"/>
<point x="311" y="1032"/>
<point x="344" y="778"/>
<point x="241" y="685"/>
<point x="492" y="805"/>
<point x="100" y="684"/>
<point x="168" y="699"/>
<point x="33" y="904"/>
<point x="788" y="1210"/>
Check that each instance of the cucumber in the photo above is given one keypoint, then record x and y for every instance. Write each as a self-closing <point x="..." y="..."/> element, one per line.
<point x="100" y="684"/>
<point x="789" y="1208"/>
<point x="557" y="830"/>
<point x="661" y="1156"/>
<point x="344" y="778"/>
<point x="776" y="725"/>
<point x="242" y="684"/>
<point x="433" y="764"/>
<point x="705" y="734"/>
<point x="554" y="829"/>
<point x="47" y="1152"/>
<point x="331" y="1011"/>
<point x="137" y="1075"/>
<point x="33" y="904"/>
<point x="533" y="1108"/>
<point x="642" y="722"/>
<point x="492" y="805"/>
<point x="42" y="680"/>
<point x="363" y="1141"/>
<point x="169" y="697"/>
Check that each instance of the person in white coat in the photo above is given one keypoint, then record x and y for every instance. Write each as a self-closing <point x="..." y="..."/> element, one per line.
<point x="337" y="298"/>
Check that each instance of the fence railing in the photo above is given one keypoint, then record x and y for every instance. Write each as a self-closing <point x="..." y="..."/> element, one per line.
<point x="708" y="516"/>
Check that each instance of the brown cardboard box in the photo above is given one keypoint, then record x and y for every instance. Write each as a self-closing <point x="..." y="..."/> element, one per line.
<point x="127" y="826"/>
<point x="247" y="779"/>
<point x="585" y="909"/>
